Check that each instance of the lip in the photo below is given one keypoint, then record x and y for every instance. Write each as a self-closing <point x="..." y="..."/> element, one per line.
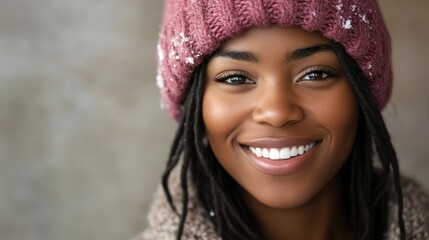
<point x="280" y="167"/>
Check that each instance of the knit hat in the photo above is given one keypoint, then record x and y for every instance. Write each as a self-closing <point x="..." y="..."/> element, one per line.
<point x="193" y="29"/>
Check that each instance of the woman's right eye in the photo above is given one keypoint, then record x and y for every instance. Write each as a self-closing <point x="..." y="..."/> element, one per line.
<point x="234" y="79"/>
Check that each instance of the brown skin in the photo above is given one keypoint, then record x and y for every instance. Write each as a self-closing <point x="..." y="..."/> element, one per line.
<point x="262" y="95"/>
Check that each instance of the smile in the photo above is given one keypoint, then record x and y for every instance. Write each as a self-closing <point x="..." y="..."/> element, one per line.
<point x="281" y="156"/>
<point x="282" y="153"/>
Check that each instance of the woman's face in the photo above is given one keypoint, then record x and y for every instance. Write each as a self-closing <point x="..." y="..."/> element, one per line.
<point x="279" y="114"/>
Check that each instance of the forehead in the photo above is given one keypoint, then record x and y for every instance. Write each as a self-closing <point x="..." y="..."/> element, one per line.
<point x="274" y="45"/>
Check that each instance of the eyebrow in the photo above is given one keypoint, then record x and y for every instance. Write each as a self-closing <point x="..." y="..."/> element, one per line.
<point x="237" y="55"/>
<point x="308" y="51"/>
<point x="293" y="56"/>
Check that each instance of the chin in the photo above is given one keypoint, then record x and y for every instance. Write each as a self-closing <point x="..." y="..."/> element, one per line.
<point x="284" y="201"/>
<point x="288" y="194"/>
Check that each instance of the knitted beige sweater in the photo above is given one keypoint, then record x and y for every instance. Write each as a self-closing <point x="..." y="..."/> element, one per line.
<point x="163" y="222"/>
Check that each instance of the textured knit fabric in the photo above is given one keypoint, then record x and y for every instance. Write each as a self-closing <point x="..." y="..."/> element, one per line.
<point x="163" y="222"/>
<point x="193" y="29"/>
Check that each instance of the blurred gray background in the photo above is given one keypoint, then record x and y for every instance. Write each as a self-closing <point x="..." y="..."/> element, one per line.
<point x="82" y="138"/>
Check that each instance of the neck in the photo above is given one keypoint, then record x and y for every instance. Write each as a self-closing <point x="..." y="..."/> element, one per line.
<point x="323" y="217"/>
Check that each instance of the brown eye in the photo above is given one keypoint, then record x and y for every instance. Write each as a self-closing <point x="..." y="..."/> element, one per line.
<point x="315" y="75"/>
<point x="234" y="79"/>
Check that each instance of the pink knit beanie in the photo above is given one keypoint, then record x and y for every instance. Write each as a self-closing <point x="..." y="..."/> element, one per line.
<point x="193" y="29"/>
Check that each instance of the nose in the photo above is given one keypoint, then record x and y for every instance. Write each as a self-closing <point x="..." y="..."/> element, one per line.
<point x="277" y="106"/>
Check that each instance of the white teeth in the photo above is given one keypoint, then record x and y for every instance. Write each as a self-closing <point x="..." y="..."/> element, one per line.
<point x="294" y="151"/>
<point x="265" y="153"/>
<point x="258" y="152"/>
<point x="301" y="150"/>
<point x="274" y="153"/>
<point x="283" y="153"/>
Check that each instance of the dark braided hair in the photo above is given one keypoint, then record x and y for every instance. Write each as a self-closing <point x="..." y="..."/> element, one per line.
<point x="364" y="187"/>
<point x="368" y="196"/>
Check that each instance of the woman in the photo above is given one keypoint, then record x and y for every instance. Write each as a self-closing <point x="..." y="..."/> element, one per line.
<point x="279" y="105"/>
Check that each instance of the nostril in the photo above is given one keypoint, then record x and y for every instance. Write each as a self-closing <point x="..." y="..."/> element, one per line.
<point x="279" y="115"/>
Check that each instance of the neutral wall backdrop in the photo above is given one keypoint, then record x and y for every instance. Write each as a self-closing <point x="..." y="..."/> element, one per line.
<point x="82" y="138"/>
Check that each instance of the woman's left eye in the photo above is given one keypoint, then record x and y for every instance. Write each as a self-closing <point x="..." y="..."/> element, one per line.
<point x="316" y="74"/>
<point x="237" y="80"/>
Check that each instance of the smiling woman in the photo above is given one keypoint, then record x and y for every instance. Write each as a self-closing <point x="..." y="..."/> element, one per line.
<point x="280" y="107"/>
<point x="278" y="113"/>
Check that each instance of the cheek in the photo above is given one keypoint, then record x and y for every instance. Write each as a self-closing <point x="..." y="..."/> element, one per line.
<point x="213" y="112"/>
<point x="343" y="117"/>
<point x="222" y="116"/>
<point x="339" y="116"/>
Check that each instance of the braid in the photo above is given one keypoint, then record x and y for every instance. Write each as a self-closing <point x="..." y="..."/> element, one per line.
<point x="371" y="204"/>
<point x="183" y="139"/>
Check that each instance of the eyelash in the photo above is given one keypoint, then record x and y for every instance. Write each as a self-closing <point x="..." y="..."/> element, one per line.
<point x="234" y="78"/>
<point x="326" y="73"/>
